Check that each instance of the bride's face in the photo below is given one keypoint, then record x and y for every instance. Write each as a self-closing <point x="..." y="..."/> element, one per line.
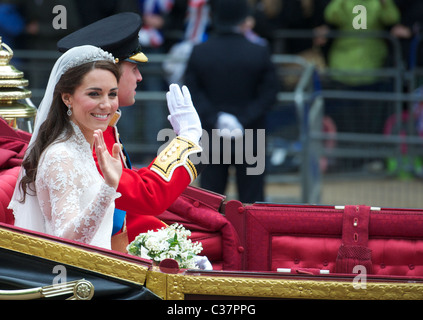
<point x="94" y="102"/>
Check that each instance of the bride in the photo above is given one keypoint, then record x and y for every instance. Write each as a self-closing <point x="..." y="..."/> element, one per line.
<point x="59" y="190"/>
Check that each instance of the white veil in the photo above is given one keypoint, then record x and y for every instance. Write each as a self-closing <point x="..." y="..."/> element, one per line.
<point x="28" y="214"/>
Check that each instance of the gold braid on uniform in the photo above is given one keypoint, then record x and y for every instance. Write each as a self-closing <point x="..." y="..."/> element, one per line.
<point x="176" y="155"/>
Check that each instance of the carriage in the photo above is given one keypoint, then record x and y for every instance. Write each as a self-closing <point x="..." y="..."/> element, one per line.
<point x="259" y="250"/>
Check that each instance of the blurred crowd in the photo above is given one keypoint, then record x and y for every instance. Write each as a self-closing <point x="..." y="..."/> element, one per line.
<point x="27" y="24"/>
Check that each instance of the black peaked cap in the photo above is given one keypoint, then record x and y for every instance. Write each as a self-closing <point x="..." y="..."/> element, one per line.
<point x="117" y="34"/>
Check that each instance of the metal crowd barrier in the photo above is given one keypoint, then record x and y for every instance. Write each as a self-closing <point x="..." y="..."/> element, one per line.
<point x="385" y="168"/>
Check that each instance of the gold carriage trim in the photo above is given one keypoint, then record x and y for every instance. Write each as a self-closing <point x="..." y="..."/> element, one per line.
<point x="176" y="155"/>
<point x="108" y="264"/>
<point x="217" y="285"/>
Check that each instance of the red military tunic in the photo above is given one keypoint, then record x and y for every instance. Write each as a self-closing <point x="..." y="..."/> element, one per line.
<point x="147" y="192"/>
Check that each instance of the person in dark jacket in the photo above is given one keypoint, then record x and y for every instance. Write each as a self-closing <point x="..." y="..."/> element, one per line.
<point x="233" y="83"/>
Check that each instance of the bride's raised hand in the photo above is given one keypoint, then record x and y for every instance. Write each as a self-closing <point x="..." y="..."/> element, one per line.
<point x="110" y="165"/>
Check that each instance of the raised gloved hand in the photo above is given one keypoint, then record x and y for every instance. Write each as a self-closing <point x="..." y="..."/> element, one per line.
<point x="203" y="263"/>
<point x="183" y="116"/>
<point x="229" y="126"/>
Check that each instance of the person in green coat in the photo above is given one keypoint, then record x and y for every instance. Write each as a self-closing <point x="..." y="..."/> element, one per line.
<point x="359" y="53"/>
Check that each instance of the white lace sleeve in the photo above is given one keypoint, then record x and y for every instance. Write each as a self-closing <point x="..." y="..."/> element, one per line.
<point x="73" y="198"/>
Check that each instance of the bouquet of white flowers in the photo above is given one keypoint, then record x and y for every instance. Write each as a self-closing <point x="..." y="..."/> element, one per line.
<point x="170" y="242"/>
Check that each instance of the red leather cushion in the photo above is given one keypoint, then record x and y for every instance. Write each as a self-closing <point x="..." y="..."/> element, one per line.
<point x="402" y="257"/>
<point x="7" y="186"/>
<point x="296" y="253"/>
<point x="13" y="144"/>
<point x="390" y="257"/>
<point x="212" y="244"/>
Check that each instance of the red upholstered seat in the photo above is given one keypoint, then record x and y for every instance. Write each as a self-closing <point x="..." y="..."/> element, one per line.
<point x="307" y="239"/>
<point x="13" y="144"/>
<point x="7" y="186"/>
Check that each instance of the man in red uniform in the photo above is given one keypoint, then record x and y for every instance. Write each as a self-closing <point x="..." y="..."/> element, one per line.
<point x="149" y="191"/>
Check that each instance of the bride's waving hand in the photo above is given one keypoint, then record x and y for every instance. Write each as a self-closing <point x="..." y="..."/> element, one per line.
<point x="111" y="166"/>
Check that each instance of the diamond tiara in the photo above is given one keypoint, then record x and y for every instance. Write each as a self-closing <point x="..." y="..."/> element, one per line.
<point x="89" y="57"/>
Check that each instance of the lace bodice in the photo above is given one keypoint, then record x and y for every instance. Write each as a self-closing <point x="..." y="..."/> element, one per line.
<point x="75" y="201"/>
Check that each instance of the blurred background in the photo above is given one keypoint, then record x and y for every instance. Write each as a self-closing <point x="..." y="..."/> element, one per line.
<point x="348" y="123"/>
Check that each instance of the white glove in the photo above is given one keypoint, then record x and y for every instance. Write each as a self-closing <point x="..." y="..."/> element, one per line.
<point x="229" y="126"/>
<point x="203" y="263"/>
<point x="183" y="116"/>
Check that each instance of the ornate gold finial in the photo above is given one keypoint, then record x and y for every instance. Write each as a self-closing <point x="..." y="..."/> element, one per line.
<point x="17" y="114"/>
<point x="6" y="70"/>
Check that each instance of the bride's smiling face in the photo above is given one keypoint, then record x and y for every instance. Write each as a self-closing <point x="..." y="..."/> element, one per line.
<point x="93" y="102"/>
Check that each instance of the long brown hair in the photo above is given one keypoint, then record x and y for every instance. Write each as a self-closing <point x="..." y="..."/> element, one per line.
<point x="57" y="121"/>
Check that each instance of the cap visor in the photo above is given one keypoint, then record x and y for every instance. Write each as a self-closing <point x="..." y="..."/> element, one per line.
<point x="139" y="57"/>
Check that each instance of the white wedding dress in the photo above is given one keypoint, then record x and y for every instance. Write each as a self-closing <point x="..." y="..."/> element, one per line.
<point x="74" y="199"/>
